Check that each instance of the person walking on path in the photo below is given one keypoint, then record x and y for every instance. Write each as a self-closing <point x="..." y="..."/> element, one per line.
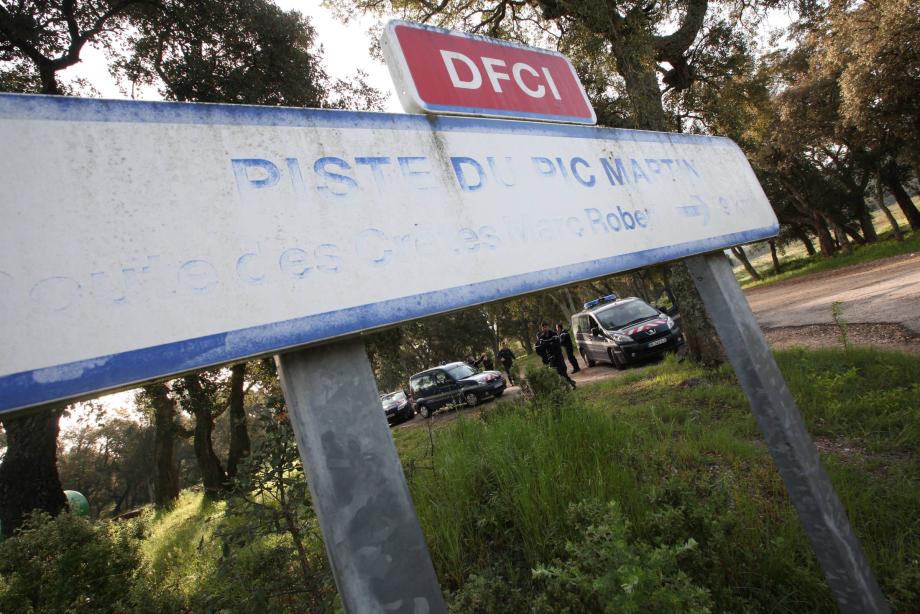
<point x="507" y="359"/>
<point x="549" y="347"/>
<point x="565" y="339"/>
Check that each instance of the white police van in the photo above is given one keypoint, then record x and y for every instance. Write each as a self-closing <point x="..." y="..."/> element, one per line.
<point x="623" y="331"/>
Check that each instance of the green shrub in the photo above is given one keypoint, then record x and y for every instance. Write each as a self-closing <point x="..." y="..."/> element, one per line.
<point x="489" y="592"/>
<point x="257" y="550"/>
<point x="544" y="384"/>
<point x="608" y="569"/>
<point x="68" y="564"/>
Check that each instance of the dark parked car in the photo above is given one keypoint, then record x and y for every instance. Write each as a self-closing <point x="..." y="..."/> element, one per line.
<point x="397" y="407"/>
<point x="456" y="382"/>
<point x="622" y="331"/>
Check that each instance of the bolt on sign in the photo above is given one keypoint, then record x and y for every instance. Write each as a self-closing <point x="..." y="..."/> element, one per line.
<point x="445" y="72"/>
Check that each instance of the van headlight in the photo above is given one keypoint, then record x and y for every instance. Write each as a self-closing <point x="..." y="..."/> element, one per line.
<point x="671" y="323"/>
<point x="621" y="338"/>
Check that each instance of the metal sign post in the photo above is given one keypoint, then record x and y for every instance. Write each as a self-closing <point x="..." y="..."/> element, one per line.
<point x="820" y="511"/>
<point x="372" y="536"/>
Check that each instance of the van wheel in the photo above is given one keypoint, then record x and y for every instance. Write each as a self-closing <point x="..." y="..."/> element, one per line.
<point x="584" y="357"/>
<point x="617" y="363"/>
<point x="424" y="411"/>
<point x="471" y="399"/>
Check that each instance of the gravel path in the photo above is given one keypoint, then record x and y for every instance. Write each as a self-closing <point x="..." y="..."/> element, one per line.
<point x="879" y="306"/>
<point x="879" y="292"/>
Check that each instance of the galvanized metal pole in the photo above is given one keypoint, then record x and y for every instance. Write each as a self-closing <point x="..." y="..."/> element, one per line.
<point x="812" y="494"/>
<point x="372" y="535"/>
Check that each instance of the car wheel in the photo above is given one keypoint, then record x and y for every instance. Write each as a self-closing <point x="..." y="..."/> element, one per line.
<point x="584" y="357"/>
<point x="424" y="411"/>
<point x="471" y="399"/>
<point x="620" y="365"/>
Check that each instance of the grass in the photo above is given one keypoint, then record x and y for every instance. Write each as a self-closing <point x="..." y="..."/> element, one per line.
<point x="511" y="498"/>
<point x="817" y="263"/>
<point x="795" y="262"/>
<point x="679" y="451"/>
<point x="180" y="548"/>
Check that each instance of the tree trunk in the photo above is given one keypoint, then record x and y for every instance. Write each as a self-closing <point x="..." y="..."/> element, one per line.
<point x="841" y="237"/>
<point x="639" y="285"/>
<point x="643" y="92"/>
<point x="853" y="234"/>
<point x="165" y="469"/>
<point x="895" y="228"/>
<point x="777" y="269"/>
<point x="48" y="75"/>
<point x="239" y="434"/>
<point x="213" y="477"/>
<point x="526" y="343"/>
<point x="738" y="251"/>
<point x="903" y="199"/>
<point x="29" y="477"/>
<point x="564" y="303"/>
<point x="802" y="236"/>
<point x="634" y="63"/>
<point x="865" y="221"/>
<point x="703" y="343"/>
<point x="825" y="240"/>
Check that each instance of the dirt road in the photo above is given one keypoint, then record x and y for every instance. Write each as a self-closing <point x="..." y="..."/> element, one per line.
<point x="879" y="303"/>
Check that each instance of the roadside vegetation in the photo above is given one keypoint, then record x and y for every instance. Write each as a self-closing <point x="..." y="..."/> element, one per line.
<point x="651" y="491"/>
<point x="654" y="491"/>
<point x="795" y="262"/>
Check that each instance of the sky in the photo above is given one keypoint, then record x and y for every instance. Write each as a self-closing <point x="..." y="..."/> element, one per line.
<point x="345" y="49"/>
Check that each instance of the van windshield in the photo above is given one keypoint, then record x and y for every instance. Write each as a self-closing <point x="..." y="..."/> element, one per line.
<point x="619" y="316"/>
<point x="460" y="372"/>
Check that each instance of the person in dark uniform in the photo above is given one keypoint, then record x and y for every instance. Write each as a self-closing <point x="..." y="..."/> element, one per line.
<point x="507" y="359"/>
<point x="486" y="361"/>
<point x="548" y="342"/>
<point x="565" y="339"/>
<point x="541" y="350"/>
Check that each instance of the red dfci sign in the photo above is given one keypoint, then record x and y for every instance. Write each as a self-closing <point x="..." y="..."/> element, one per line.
<point x="445" y="72"/>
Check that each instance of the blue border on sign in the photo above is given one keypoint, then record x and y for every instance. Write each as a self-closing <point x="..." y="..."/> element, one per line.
<point x="69" y="109"/>
<point x="122" y="370"/>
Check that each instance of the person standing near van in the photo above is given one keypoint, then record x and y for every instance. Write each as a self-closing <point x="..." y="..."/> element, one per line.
<point x="550" y="349"/>
<point x="507" y="359"/>
<point x="565" y="339"/>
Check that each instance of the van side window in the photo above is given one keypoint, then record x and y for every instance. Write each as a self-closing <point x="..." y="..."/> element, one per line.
<point x="440" y="377"/>
<point x="423" y="384"/>
<point x="592" y="323"/>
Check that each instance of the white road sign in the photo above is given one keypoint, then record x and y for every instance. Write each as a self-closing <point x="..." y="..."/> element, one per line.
<point x="140" y="240"/>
